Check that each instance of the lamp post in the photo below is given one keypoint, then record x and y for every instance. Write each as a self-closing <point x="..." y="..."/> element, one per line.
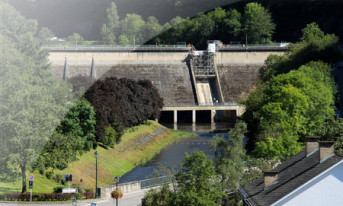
<point x="96" y="153"/>
<point x="74" y="202"/>
<point x="117" y="182"/>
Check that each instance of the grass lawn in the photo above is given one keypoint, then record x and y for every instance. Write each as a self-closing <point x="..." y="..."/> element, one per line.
<point x="112" y="162"/>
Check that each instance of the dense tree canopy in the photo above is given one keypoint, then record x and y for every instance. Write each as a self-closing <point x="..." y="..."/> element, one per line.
<point x="258" y="23"/>
<point x="295" y="97"/>
<point x="196" y="184"/>
<point x="314" y="46"/>
<point x="291" y="106"/>
<point x="74" y="135"/>
<point x="32" y="101"/>
<point x="133" y="29"/>
<point x="121" y="103"/>
<point x="228" y="26"/>
<point x="229" y="159"/>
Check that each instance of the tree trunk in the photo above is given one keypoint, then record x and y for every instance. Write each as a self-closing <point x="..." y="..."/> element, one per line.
<point x="23" y="175"/>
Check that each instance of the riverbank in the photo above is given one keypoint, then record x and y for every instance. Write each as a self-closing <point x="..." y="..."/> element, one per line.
<point x="139" y="144"/>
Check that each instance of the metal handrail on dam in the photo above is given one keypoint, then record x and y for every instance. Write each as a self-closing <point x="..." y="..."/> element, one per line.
<point x="182" y="47"/>
<point x="115" y="47"/>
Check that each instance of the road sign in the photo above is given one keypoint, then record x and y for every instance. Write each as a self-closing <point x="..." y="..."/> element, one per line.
<point x="31" y="184"/>
<point x="69" y="190"/>
<point x="67" y="178"/>
<point x="32" y="177"/>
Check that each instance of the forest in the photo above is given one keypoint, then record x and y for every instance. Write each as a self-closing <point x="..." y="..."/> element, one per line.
<point x="289" y="16"/>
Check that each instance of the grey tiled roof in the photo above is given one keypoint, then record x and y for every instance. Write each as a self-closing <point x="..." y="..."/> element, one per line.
<point x="292" y="173"/>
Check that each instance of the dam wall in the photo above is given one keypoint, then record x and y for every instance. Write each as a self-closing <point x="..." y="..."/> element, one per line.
<point x="168" y="70"/>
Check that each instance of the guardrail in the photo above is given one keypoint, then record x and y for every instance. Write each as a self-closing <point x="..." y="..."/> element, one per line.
<point x="158" y="181"/>
<point x="136" y="185"/>
<point x="113" y="47"/>
<point x="286" y="44"/>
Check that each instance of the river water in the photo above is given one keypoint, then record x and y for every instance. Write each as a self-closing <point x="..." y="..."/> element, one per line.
<point x="172" y="156"/>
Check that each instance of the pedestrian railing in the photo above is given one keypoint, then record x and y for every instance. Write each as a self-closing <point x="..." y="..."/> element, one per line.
<point x="113" y="47"/>
<point x="158" y="181"/>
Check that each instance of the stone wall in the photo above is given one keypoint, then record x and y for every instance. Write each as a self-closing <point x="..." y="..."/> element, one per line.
<point x="237" y="80"/>
<point x="173" y="80"/>
<point x="238" y="70"/>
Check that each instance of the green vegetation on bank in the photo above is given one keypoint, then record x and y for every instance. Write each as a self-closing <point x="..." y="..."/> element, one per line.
<point x="117" y="161"/>
<point x="201" y="181"/>
<point x="295" y="97"/>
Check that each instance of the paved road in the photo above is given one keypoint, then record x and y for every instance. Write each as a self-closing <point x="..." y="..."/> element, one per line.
<point x="129" y="199"/>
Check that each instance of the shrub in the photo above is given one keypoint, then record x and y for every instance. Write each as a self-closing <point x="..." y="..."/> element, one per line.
<point x="41" y="170"/>
<point x="36" y="196"/>
<point x="88" y="195"/>
<point x="88" y="189"/>
<point x="59" y="178"/>
<point x="58" y="188"/>
<point x="48" y="174"/>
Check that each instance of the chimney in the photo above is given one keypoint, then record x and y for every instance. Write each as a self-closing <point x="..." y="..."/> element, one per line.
<point x="270" y="177"/>
<point x="325" y="149"/>
<point x="311" y="143"/>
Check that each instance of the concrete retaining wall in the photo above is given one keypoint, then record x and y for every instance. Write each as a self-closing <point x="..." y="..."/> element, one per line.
<point x="125" y="187"/>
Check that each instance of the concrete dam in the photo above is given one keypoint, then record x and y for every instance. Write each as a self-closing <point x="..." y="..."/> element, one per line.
<point x="200" y="82"/>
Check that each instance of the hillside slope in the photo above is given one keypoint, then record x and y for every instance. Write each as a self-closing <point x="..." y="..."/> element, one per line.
<point x="138" y="145"/>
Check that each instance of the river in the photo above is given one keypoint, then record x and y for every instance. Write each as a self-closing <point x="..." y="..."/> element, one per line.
<point x="172" y="156"/>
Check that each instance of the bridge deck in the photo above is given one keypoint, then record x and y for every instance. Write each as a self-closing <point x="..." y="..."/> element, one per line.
<point x="202" y="107"/>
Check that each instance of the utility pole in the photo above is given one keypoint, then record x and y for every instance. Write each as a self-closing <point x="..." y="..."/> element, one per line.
<point x="96" y="174"/>
<point x="134" y="41"/>
<point x="246" y="39"/>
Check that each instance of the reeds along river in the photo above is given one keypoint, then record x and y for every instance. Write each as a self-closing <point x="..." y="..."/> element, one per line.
<point x="172" y="156"/>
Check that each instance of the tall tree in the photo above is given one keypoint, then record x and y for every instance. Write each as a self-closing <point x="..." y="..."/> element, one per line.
<point x="75" y="39"/>
<point x="74" y="135"/>
<point x="32" y="101"/>
<point x="229" y="158"/>
<point x="233" y="24"/>
<point x="197" y="182"/>
<point x="109" y="30"/>
<point x="132" y="27"/>
<point x="258" y="23"/>
<point x="45" y="34"/>
<point x="151" y="29"/>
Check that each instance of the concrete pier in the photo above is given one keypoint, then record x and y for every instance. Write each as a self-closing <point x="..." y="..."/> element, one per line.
<point x="175" y="116"/>
<point x="213" y="112"/>
<point x="239" y="110"/>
